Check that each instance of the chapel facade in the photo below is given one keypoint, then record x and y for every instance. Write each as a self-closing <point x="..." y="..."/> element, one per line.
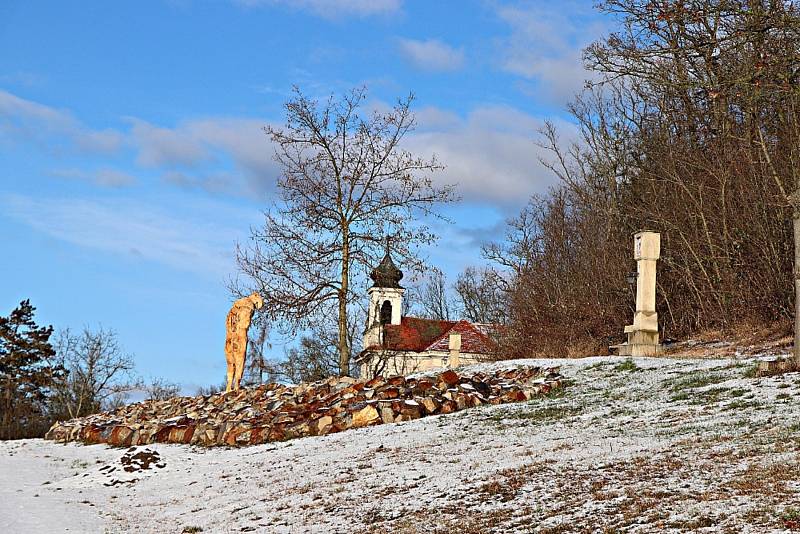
<point x="399" y="345"/>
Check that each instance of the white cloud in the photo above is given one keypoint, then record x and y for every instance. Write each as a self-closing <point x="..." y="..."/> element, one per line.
<point x="490" y="156"/>
<point x="113" y="178"/>
<point x="164" y="147"/>
<point x="432" y="55"/>
<point x="50" y="127"/>
<point x="199" y="153"/>
<point x="546" y="44"/>
<point x="194" y="242"/>
<point x="433" y="118"/>
<point x="333" y="9"/>
<point x="219" y="182"/>
<point x="104" y="177"/>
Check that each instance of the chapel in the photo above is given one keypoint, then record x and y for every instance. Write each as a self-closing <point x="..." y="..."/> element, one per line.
<point x="400" y="345"/>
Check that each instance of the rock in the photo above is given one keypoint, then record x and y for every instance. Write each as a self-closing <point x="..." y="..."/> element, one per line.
<point x="430" y="404"/>
<point x="387" y="415"/>
<point x="450" y="377"/>
<point x="364" y="417"/>
<point x="396" y="380"/>
<point x="424" y="385"/>
<point x="514" y="396"/>
<point x="410" y="412"/>
<point x="448" y="406"/>
<point x="375" y="383"/>
<point x="324" y="424"/>
<point x="389" y="393"/>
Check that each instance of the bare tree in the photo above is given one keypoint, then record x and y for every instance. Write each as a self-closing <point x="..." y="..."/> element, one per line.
<point x="433" y="298"/>
<point x="345" y="179"/>
<point x="257" y="365"/>
<point x="161" y="389"/>
<point x="99" y="370"/>
<point x="212" y="389"/>
<point x="314" y="359"/>
<point x="390" y="362"/>
<point x="483" y="296"/>
<point x="316" y="356"/>
<point x="513" y="253"/>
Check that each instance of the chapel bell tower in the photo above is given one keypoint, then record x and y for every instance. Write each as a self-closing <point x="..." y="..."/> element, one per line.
<point x="385" y="299"/>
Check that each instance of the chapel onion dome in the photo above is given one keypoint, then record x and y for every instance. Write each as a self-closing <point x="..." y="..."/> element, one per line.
<point x="386" y="274"/>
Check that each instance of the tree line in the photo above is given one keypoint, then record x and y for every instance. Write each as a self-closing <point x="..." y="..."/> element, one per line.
<point x="47" y="376"/>
<point x="691" y="130"/>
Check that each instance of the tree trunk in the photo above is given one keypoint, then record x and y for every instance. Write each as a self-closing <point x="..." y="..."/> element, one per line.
<point x="5" y="432"/>
<point x="344" y="347"/>
<point x="796" y="227"/>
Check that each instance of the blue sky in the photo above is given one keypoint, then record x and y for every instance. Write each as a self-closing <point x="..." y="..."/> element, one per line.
<point x="132" y="157"/>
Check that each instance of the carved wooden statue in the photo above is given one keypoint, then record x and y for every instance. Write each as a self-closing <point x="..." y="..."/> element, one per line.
<point x="237" y="324"/>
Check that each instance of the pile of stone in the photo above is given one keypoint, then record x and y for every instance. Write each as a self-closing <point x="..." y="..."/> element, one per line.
<point x="275" y="412"/>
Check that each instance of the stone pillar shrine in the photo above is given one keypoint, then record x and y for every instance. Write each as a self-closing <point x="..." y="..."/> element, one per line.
<point x="643" y="333"/>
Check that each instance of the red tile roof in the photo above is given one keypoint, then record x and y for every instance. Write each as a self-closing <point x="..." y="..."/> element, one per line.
<point x="420" y="335"/>
<point x="472" y="339"/>
<point x="415" y="333"/>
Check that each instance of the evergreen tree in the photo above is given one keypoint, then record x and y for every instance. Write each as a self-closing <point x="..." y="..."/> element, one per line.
<point x="26" y="374"/>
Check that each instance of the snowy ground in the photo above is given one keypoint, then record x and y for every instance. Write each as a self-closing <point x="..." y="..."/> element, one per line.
<point x="653" y="445"/>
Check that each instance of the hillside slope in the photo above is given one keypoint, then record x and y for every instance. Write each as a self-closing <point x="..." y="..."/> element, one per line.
<point x="645" y="445"/>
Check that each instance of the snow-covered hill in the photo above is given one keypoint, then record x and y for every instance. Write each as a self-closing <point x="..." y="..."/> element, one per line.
<point x="644" y="445"/>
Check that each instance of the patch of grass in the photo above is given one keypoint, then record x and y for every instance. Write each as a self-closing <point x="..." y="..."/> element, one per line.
<point x="695" y="523"/>
<point x="751" y="371"/>
<point x="783" y="396"/>
<point x="559" y="392"/>
<point x="697" y="379"/>
<point x="620" y="412"/>
<point x="682" y="396"/>
<point x="535" y="412"/>
<point x="614" y="396"/>
<point x="766" y="479"/>
<point x="191" y="530"/>
<point x="628" y="366"/>
<point x="791" y="518"/>
<point x="686" y="392"/>
<point x="741" y="405"/>
<point x="598" y="365"/>
<point x="737" y="392"/>
<point x="708" y="396"/>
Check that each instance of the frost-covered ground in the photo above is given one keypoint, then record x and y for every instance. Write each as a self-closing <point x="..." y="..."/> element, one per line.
<point x="649" y="445"/>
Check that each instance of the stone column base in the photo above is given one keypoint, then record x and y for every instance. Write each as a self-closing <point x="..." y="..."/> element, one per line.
<point x="638" y="349"/>
<point x="641" y="342"/>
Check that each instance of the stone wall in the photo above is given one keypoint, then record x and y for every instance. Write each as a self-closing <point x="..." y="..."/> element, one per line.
<point x="276" y="412"/>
